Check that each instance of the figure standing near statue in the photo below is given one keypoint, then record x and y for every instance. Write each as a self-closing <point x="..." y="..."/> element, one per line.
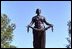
<point x="39" y="29"/>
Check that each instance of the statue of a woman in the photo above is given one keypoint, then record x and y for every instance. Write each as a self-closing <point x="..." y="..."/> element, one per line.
<point x="39" y="29"/>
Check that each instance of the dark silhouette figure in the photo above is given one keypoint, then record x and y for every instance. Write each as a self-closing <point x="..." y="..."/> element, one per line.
<point x="39" y="29"/>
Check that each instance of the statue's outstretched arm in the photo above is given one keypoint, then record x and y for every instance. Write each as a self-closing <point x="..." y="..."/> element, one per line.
<point x="31" y="23"/>
<point x="49" y="25"/>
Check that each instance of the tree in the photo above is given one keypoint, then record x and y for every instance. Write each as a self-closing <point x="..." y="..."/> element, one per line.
<point x="6" y="32"/>
<point x="69" y="37"/>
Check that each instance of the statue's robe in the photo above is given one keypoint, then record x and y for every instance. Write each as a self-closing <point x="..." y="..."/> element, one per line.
<point x="38" y="39"/>
<point x="38" y="36"/>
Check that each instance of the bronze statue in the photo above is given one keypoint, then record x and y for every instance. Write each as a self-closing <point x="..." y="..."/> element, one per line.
<point x="39" y="29"/>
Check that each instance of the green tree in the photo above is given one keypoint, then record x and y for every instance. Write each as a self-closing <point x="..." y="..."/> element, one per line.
<point x="6" y="32"/>
<point x="69" y="33"/>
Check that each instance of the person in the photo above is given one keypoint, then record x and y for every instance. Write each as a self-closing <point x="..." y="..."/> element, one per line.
<point x="39" y="29"/>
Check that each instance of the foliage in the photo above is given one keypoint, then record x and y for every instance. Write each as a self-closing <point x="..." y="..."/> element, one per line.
<point x="6" y="32"/>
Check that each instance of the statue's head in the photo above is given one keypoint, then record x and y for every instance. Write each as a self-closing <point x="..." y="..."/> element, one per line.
<point x="38" y="11"/>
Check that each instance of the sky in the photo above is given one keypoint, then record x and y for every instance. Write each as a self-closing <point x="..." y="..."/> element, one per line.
<point x="57" y="13"/>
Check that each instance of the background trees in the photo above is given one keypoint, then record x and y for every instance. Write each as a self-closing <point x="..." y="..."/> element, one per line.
<point x="6" y="32"/>
<point x="69" y="33"/>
